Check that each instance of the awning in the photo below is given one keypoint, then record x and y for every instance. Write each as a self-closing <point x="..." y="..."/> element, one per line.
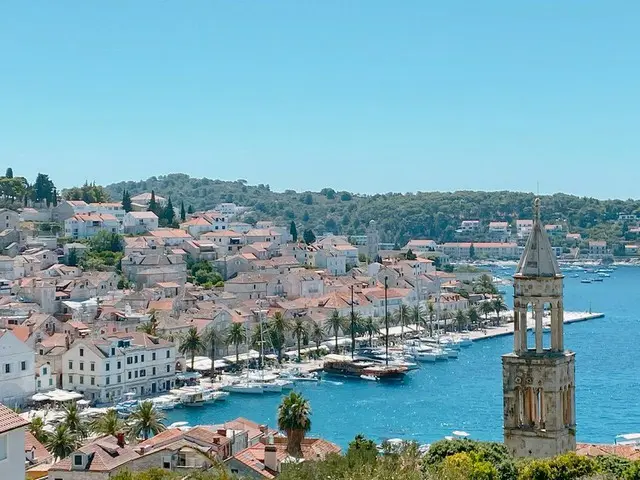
<point x="56" y="396"/>
<point x="204" y="363"/>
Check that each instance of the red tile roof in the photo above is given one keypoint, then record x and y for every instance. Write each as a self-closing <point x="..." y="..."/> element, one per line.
<point x="104" y="456"/>
<point x="629" y="452"/>
<point x="10" y="420"/>
<point x="30" y="442"/>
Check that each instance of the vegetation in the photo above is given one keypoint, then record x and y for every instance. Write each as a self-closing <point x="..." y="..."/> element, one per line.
<point x="36" y="427"/>
<point x="299" y="330"/>
<point x="191" y="344"/>
<point x="294" y="418"/>
<point x="334" y="324"/>
<point x="104" y="253"/>
<point x="213" y="337"/>
<point x="62" y="442"/>
<point x="89" y="192"/>
<point x="400" y="217"/>
<point x="145" y="421"/>
<point x="202" y="273"/>
<point x="237" y="336"/>
<point x="107" y="424"/>
<point x="74" y="423"/>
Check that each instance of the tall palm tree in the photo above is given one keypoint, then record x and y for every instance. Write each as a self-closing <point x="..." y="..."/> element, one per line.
<point x="73" y="421"/>
<point x="485" y="285"/>
<point x="299" y="330"/>
<point x="237" y="336"/>
<point x="498" y="306"/>
<point x="486" y="308"/>
<point x="145" y="421"/>
<point x="473" y="316"/>
<point x="370" y="327"/>
<point x="36" y="427"/>
<point x="279" y="327"/>
<point x="212" y="338"/>
<point x="294" y="418"/>
<point x="107" y="424"/>
<point x="317" y="335"/>
<point x="402" y="318"/>
<point x="461" y="320"/>
<point x="333" y="324"/>
<point x="62" y="442"/>
<point x="191" y="343"/>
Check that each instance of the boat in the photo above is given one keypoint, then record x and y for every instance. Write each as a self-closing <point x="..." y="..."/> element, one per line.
<point x="585" y="280"/>
<point x="450" y="352"/>
<point x="245" y="387"/>
<point x="575" y="275"/>
<point x="628" y="439"/>
<point x="190" y="396"/>
<point x="371" y="378"/>
<point x="345" y="366"/>
<point x="178" y="425"/>
<point x="458" y="435"/>
<point x="597" y="279"/>
<point x="604" y="274"/>
<point x="295" y="375"/>
<point x="165" y="402"/>
<point x="393" y="359"/>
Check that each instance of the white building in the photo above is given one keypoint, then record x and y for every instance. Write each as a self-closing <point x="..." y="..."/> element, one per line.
<point x="87" y="225"/>
<point x="139" y="222"/>
<point x="420" y="246"/>
<point x="208" y="222"/>
<point x="144" y="199"/>
<point x="106" y="368"/>
<point x="523" y="228"/>
<point x="12" y="453"/>
<point x="470" y="225"/>
<point x="8" y="219"/>
<point x="17" y="370"/>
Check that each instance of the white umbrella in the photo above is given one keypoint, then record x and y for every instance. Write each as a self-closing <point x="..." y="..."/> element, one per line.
<point x="40" y="397"/>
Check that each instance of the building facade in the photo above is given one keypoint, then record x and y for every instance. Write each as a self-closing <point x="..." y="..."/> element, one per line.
<point x="17" y="370"/>
<point x="539" y="380"/>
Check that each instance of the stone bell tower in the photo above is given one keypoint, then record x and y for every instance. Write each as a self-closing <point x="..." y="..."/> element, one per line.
<point x="538" y="380"/>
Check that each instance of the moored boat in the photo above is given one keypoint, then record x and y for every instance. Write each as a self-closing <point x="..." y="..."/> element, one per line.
<point x="356" y="367"/>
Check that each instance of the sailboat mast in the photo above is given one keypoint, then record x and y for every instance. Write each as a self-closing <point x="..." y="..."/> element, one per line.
<point x="386" y="322"/>
<point x="353" y="332"/>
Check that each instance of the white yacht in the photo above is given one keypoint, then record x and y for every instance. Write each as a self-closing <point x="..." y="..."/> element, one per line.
<point x="244" y="387"/>
<point x="190" y="396"/>
<point x="166" y="402"/>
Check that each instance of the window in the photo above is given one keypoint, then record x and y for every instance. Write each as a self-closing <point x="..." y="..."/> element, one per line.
<point x="7" y="368"/>
<point x="143" y="373"/>
<point x="136" y="374"/>
<point x="168" y="353"/>
<point x="3" y="447"/>
<point x="153" y="371"/>
<point x="141" y="358"/>
<point x="119" y="378"/>
<point x="39" y="384"/>
<point x="108" y="381"/>
<point x="92" y="367"/>
<point x="119" y="364"/>
<point x="129" y="375"/>
<point x="136" y="359"/>
<point x="166" y="462"/>
<point x="50" y="381"/>
<point x="82" y="352"/>
<point x="23" y="366"/>
<point x="153" y="356"/>
<point x="81" y="365"/>
<point x="81" y="379"/>
<point x="129" y="360"/>
<point x="93" y="380"/>
<point x="70" y="378"/>
<point x="77" y="460"/>
<point x="44" y="370"/>
<point x="70" y="364"/>
<point x="168" y="368"/>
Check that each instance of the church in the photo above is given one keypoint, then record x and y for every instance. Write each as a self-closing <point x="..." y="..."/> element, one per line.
<point x="539" y="379"/>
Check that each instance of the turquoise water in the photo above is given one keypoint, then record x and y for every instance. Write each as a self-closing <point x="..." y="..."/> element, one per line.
<point x="465" y="394"/>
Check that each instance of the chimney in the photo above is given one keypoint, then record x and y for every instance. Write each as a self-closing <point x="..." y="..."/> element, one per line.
<point x="271" y="458"/>
<point x="264" y="429"/>
<point x="222" y="432"/>
<point x="120" y="437"/>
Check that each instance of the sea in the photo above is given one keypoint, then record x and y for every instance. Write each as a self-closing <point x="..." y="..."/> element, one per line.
<point x="466" y="393"/>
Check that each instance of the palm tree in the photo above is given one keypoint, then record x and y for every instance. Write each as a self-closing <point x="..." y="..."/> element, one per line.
<point x="237" y="336"/>
<point x="473" y="316"/>
<point x="402" y="317"/>
<point x="73" y="421"/>
<point x="498" y="306"/>
<point x="370" y="327"/>
<point x="191" y="343"/>
<point x="213" y="337"/>
<point x="431" y="311"/>
<point x="484" y="285"/>
<point x="145" y="421"/>
<point x="107" y="424"/>
<point x="461" y="320"/>
<point x="279" y="326"/>
<point x="62" y="442"/>
<point x="294" y="419"/>
<point x="333" y="324"/>
<point x="299" y="330"/>
<point x="486" y="308"/>
<point x="36" y="427"/>
<point x="317" y="335"/>
<point x="150" y="327"/>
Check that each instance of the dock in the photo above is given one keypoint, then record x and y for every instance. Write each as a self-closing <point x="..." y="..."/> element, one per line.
<point x="492" y="332"/>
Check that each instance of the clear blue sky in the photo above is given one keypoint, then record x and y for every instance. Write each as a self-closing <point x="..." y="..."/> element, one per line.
<point x="368" y="96"/>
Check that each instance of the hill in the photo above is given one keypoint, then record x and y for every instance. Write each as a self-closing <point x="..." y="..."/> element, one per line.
<point x="399" y="216"/>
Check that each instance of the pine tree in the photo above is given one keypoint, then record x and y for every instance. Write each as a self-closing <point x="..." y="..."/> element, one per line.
<point x="308" y="236"/>
<point x="183" y="214"/>
<point x="168" y="214"/>
<point x="126" y="201"/>
<point x="190" y="210"/>
<point x="293" y="231"/>
<point x="9" y="173"/>
<point x="54" y="200"/>
<point x="153" y="206"/>
<point x="72" y="258"/>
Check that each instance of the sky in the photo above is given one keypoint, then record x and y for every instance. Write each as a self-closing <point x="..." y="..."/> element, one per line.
<point x="369" y="96"/>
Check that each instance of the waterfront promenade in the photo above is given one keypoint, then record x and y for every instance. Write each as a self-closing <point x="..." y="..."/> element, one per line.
<point x="502" y="330"/>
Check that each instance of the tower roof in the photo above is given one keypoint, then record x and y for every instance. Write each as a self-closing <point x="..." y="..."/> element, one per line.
<point x="538" y="258"/>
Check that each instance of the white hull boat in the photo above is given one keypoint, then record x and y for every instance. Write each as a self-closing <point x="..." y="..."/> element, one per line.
<point x="244" y="387"/>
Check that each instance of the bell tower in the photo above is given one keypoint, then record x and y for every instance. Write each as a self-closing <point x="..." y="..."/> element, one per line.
<point x="538" y="379"/>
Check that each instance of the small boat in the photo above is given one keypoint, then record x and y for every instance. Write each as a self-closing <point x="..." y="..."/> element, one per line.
<point x="628" y="439"/>
<point x="603" y="274"/>
<point x="245" y="387"/>
<point x="297" y="376"/>
<point x="165" y="402"/>
<point x="190" y="396"/>
<point x="178" y="425"/>
<point x="450" y="352"/>
<point x="585" y="280"/>
<point x="575" y="275"/>
<point x="371" y="378"/>
<point x="597" y="279"/>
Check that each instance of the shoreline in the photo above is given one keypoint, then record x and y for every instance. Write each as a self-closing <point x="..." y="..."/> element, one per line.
<point x="504" y="330"/>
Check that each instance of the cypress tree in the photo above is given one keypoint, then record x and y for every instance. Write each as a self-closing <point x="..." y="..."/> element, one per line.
<point x="153" y="206"/>
<point x="183" y="214"/>
<point x="169" y="215"/>
<point x="126" y="201"/>
<point x="9" y="173"/>
<point x="293" y="231"/>
<point x="190" y="210"/>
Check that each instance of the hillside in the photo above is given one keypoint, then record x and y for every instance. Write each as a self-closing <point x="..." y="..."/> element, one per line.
<point x="400" y="216"/>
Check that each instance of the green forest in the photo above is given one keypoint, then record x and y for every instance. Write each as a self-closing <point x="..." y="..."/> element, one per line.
<point x="400" y="217"/>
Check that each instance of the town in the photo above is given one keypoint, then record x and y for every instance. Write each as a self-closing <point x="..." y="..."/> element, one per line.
<point x="126" y="308"/>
